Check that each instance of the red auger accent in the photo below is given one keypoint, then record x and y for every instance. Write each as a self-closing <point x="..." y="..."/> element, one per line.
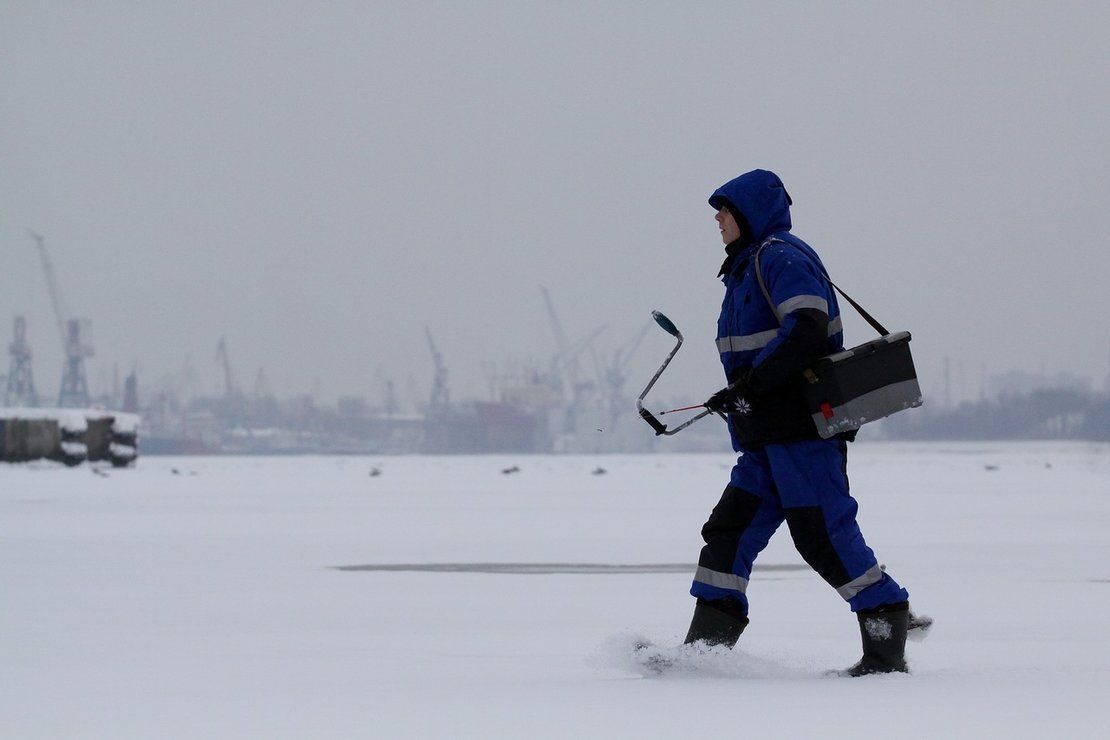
<point x="826" y="410"/>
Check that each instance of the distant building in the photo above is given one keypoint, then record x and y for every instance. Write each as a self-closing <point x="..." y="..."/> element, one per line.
<point x="1019" y="383"/>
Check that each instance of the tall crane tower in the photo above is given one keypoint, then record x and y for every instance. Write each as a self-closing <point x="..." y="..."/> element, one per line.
<point x="74" y="334"/>
<point x="564" y="355"/>
<point x="21" y="384"/>
<point x="440" y="399"/>
<point x="224" y="362"/>
<point x="131" y="392"/>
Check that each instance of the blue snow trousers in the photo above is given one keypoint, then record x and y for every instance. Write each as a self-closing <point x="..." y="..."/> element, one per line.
<point x="805" y="483"/>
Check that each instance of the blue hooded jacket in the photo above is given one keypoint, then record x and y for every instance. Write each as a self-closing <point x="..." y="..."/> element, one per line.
<point x="765" y="347"/>
<point x="761" y="198"/>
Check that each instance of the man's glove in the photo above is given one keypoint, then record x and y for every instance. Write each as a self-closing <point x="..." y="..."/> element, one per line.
<point x="729" y="400"/>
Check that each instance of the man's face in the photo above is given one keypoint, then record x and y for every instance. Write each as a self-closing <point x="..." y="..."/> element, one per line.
<point x="730" y="230"/>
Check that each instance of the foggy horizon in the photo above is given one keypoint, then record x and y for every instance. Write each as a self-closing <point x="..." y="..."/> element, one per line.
<point x="317" y="185"/>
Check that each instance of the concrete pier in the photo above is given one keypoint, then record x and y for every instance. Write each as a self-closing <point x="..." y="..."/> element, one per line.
<point x="69" y="436"/>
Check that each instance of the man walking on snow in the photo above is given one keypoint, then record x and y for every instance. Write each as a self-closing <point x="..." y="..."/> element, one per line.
<point x="775" y="321"/>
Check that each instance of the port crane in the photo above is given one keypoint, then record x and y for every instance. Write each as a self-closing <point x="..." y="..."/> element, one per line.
<point x="74" y="334"/>
<point x="21" y="383"/>
<point x="440" y="400"/>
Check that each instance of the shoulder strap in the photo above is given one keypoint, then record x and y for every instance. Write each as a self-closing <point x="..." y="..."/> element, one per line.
<point x="767" y="295"/>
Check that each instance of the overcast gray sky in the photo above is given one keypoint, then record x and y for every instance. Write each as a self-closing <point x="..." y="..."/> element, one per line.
<point x="318" y="181"/>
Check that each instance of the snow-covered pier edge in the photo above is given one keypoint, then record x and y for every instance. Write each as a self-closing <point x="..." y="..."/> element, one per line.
<point x="69" y="436"/>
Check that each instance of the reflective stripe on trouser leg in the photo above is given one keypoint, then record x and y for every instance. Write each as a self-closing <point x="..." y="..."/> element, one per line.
<point x="726" y="581"/>
<point x="850" y="589"/>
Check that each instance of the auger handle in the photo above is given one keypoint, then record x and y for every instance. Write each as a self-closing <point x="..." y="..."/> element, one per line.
<point x="666" y="324"/>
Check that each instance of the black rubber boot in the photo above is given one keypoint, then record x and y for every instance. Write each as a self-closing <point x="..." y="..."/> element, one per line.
<point x="884" y="640"/>
<point x="717" y="622"/>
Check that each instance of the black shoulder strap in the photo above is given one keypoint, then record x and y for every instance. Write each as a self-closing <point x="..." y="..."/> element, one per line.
<point x="766" y="294"/>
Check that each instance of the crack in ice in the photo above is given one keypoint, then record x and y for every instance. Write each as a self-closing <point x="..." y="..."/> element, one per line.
<point x="549" y="568"/>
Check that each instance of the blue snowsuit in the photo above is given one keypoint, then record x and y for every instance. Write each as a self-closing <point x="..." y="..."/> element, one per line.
<point x="786" y="471"/>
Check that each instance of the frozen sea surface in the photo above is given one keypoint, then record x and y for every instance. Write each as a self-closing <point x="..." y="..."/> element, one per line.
<point x="303" y="597"/>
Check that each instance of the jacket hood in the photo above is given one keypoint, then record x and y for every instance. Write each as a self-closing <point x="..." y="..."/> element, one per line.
<point x="761" y="198"/>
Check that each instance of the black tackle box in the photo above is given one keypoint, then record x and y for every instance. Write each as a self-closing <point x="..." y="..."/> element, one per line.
<point x="863" y="384"/>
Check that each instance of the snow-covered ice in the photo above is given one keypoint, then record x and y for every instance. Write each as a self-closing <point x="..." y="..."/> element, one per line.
<point x="201" y="597"/>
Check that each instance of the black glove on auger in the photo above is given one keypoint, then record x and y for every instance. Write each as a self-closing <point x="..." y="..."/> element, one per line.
<point x="730" y="399"/>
